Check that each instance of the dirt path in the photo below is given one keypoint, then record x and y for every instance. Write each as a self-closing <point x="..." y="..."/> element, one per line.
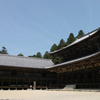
<point x="47" y="95"/>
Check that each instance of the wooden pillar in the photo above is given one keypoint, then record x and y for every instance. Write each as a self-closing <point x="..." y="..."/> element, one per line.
<point x="57" y="80"/>
<point x="34" y="85"/>
<point x="93" y="75"/>
<point x="28" y="83"/>
<point x="41" y="84"/>
<point x="16" y="84"/>
<point x="85" y="76"/>
<point x="9" y="85"/>
<point x="46" y="84"/>
<point x="78" y="77"/>
<point x="22" y="84"/>
<point x="2" y="83"/>
<point x="98" y="46"/>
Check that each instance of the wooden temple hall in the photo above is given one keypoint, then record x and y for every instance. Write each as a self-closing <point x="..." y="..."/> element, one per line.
<point x="80" y="67"/>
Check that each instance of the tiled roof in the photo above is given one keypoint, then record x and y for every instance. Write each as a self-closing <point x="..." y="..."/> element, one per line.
<point x="78" y="40"/>
<point x="28" y="62"/>
<point x="75" y="60"/>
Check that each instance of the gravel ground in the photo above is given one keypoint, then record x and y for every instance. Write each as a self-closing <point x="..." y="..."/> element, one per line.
<point x="47" y="95"/>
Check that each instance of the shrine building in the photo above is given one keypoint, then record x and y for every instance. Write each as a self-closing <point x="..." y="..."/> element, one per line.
<point x="17" y="72"/>
<point x="80" y="67"/>
<point x="81" y="62"/>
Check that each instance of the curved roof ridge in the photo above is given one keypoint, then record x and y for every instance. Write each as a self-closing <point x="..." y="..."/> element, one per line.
<point x="78" y="40"/>
<point x="89" y="33"/>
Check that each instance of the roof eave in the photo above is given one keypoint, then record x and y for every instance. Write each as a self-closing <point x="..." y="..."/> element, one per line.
<point x="75" y="60"/>
<point x="74" y="43"/>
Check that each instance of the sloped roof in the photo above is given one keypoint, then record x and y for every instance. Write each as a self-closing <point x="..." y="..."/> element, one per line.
<point x="75" y="60"/>
<point x="28" y="62"/>
<point x="78" y="40"/>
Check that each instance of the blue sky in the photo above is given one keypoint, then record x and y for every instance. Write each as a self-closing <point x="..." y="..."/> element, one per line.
<point x="31" y="26"/>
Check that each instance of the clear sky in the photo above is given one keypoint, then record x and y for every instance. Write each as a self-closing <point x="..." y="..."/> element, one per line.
<point x="31" y="26"/>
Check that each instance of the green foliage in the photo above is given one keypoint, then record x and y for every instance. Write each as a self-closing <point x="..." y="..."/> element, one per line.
<point x="30" y="56"/>
<point x="54" y="47"/>
<point x="0" y="52"/>
<point x="38" y="55"/>
<point x="57" y="60"/>
<point x="80" y="34"/>
<point x="20" y="54"/>
<point x="47" y="55"/>
<point x="4" y="51"/>
<point x="61" y="44"/>
<point x="70" y="39"/>
<point x="34" y="56"/>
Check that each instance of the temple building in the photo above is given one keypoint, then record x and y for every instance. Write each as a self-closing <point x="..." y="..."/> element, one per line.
<point x="80" y="67"/>
<point x="81" y="62"/>
<point x="18" y="72"/>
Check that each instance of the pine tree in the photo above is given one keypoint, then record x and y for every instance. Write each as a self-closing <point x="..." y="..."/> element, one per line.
<point x="61" y="44"/>
<point x="70" y="39"/>
<point x="20" y="54"/>
<point x="4" y="51"/>
<point x="54" y="47"/>
<point x="47" y="55"/>
<point x="34" y="55"/>
<point x="38" y="55"/>
<point x="80" y="34"/>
